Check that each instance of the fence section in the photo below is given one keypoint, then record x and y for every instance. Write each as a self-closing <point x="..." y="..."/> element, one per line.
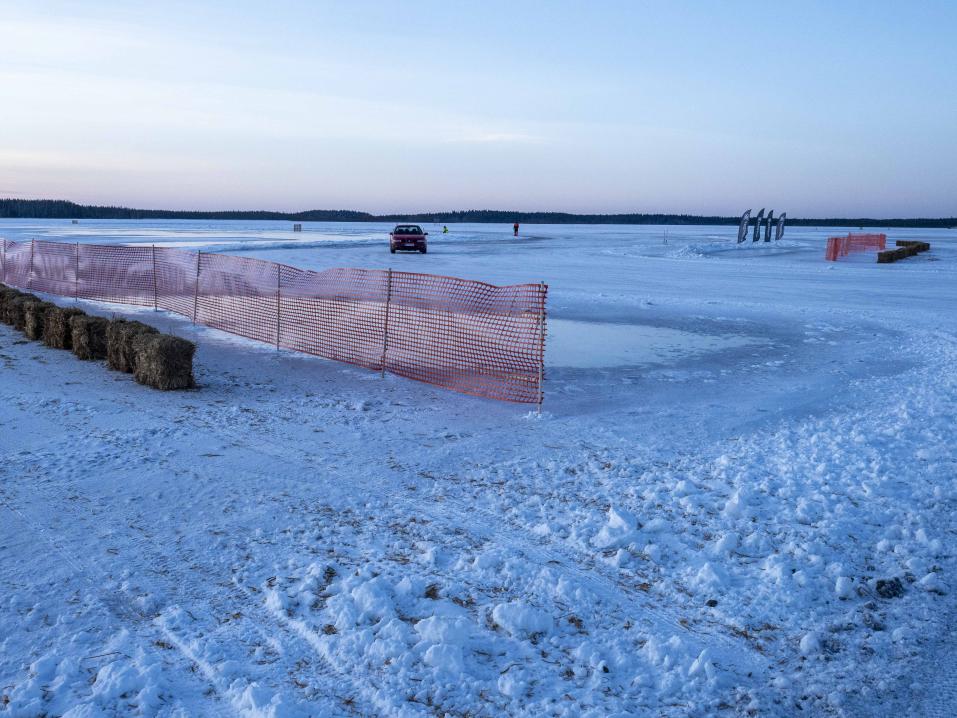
<point x="337" y="314"/>
<point x="175" y="272"/>
<point x="123" y="275"/>
<point x="464" y="335"/>
<point x="842" y="246"/>
<point x="239" y="296"/>
<point x="459" y="334"/>
<point x="55" y="268"/>
<point x="17" y="263"/>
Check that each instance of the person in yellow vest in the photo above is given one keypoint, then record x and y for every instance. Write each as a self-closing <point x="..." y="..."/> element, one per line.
<point x="445" y="229"/>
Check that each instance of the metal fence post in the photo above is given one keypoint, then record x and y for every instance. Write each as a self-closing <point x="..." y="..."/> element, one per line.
<point x="199" y="257"/>
<point x="154" y="277"/>
<point x="541" y="345"/>
<point x="385" y="329"/>
<point x="33" y="243"/>
<point x="76" y="273"/>
<point x="278" y="302"/>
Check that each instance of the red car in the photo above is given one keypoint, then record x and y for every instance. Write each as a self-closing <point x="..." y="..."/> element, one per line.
<point x="407" y="236"/>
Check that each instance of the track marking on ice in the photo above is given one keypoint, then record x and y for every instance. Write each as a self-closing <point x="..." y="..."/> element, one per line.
<point x="242" y="701"/>
<point x="252" y="700"/>
<point x="118" y="604"/>
<point x="307" y="634"/>
<point x="597" y="577"/>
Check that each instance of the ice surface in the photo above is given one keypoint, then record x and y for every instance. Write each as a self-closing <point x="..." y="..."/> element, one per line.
<point x="738" y="499"/>
<point x="586" y="345"/>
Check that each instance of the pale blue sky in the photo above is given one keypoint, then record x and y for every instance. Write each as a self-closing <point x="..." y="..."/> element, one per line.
<point x="817" y="108"/>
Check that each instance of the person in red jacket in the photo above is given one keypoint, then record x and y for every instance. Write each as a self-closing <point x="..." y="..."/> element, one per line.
<point x="515" y="227"/>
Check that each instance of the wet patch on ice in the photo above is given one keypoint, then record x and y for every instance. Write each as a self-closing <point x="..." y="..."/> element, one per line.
<point x="592" y="345"/>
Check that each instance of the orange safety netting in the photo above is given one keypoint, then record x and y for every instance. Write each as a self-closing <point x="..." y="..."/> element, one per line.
<point x="842" y="246"/>
<point x="459" y="334"/>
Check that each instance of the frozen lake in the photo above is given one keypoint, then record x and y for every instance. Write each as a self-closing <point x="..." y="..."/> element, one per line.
<point x="739" y="498"/>
<point x="595" y="272"/>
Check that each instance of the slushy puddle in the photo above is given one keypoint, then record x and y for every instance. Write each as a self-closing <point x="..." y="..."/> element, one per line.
<point x="583" y="345"/>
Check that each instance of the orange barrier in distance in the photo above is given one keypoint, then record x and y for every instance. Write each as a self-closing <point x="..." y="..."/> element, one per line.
<point x="842" y="246"/>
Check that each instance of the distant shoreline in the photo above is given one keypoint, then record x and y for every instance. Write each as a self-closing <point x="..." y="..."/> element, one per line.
<point x="62" y="209"/>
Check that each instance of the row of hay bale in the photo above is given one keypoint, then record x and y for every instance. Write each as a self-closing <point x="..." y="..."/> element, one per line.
<point x="158" y="360"/>
<point x="905" y="248"/>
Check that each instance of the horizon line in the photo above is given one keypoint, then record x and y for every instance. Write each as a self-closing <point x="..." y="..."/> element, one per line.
<point x="363" y="215"/>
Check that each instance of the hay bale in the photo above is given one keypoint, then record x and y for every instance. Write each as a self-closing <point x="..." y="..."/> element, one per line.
<point x="56" y="331"/>
<point x="7" y="294"/>
<point x="886" y="257"/>
<point x="164" y="361"/>
<point x="88" y="336"/>
<point x="34" y="318"/>
<point x="15" y="313"/>
<point x="119" y="343"/>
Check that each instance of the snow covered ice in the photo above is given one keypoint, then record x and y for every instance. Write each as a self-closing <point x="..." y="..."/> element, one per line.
<point x="738" y="498"/>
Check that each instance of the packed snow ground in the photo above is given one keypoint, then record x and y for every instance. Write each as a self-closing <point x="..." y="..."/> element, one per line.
<point x="738" y="499"/>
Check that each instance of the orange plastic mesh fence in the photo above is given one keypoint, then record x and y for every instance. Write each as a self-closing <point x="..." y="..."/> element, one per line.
<point x="175" y="271"/>
<point x="337" y="314"/>
<point x="239" y="296"/>
<point x="54" y="266"/>
<point x="16" y="263"/>
<point x="115" y="274"/>
<point x="464" y="335"/>
<point x="459" y="334"/>
<point x="842" y="246"/>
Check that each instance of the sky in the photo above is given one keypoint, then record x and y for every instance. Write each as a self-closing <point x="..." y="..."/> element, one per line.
<point x="815" y="108"/>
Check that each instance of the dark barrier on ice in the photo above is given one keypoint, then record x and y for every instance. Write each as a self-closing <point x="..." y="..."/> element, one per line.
<point x="459" y="334"/>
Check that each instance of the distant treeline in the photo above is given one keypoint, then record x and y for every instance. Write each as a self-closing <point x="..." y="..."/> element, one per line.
<point x="62" y="209"/>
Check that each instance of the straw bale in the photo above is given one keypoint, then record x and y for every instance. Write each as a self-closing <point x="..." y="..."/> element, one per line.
<point x="15" y="310"/>
<point x="119" y="343"/>
<point x="164" y="361"/>
<point x="88" y="336"/>
<point x="7" y="294"/>
<point x="34" y="318"/>
<point x="57" y="332"/>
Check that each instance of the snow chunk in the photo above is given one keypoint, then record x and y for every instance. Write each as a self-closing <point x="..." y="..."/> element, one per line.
<point x="710" y="576"/>
<point x="442" y="629"/>
<point x="810" y="643"/>
<point x="374" y="597"/>
<point x="932" y="582"/>
<point x="259" y="701"/>
<point x="619" y="529"/>
<point x="737" y="505"/>
<point x="519" y="619"/>
<point x="445" y="658"/>
<point x="727" y="543"/>
<point x="512" y="682"/>
<point x="702" y="665"/>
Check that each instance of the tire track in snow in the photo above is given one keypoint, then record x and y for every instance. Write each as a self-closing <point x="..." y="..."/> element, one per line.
<point x="590" y="573"/>
<point x="246" y="616"/>
<point x="122" y="609"/>
<point x="577" y="565"/>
